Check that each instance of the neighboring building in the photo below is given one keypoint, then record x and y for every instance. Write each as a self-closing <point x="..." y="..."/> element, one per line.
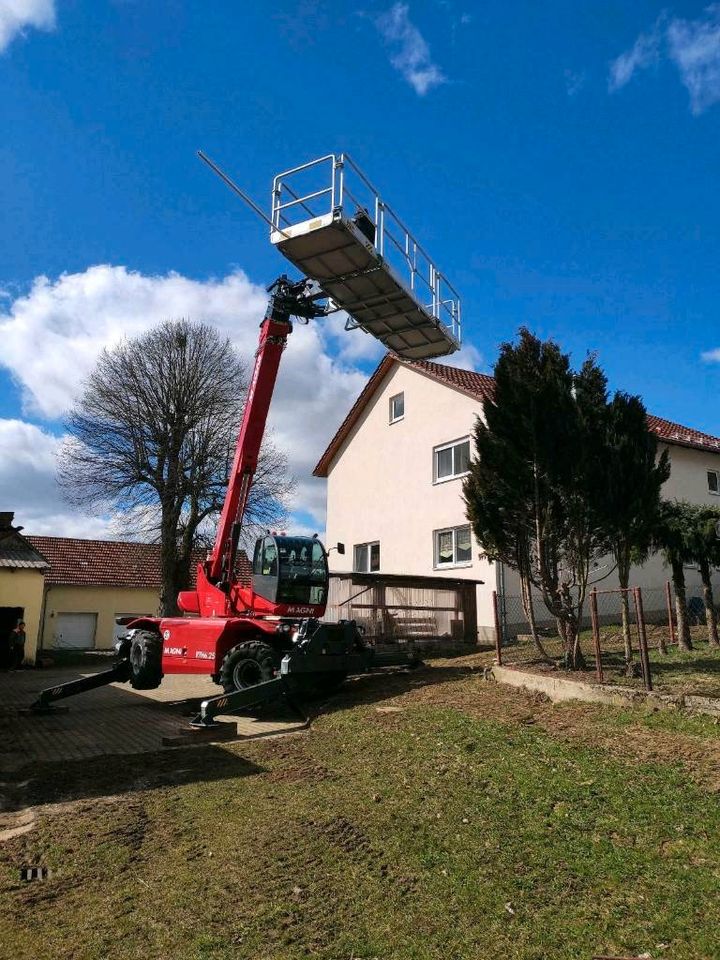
<point x="395" y="467"/>
<point x="22" y="572"/>
<point x="88" y="584"/>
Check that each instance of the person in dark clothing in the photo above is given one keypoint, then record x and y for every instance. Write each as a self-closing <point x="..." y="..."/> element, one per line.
<point x="17" y="645"/>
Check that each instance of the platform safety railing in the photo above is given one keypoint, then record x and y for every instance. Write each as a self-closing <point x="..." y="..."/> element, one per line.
<point x="334" y="184"/>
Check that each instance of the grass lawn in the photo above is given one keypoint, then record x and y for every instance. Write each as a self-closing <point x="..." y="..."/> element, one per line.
<point x="430" y="816"/>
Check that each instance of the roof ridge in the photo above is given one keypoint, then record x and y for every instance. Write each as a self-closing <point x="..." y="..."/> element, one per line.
<point x="125" y="543"/>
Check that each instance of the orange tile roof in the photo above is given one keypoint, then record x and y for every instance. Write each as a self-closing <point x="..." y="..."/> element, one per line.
<point x="110" y="563"/>
<point x="684" y="436"/>
<point x="480" y="386"/>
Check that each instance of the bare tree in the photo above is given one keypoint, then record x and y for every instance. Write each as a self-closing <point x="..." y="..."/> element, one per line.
<point x="153" y="435"/>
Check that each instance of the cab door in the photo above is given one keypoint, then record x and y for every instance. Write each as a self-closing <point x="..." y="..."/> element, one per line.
<point x="265" y="569"/>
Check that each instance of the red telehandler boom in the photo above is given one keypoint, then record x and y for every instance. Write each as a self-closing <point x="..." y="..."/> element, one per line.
<point x="262" y="639"/>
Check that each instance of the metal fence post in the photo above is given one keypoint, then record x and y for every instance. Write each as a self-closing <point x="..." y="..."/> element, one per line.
<point x="642" y="639"/>
<point x="498" y="637"/>
<point x="596" y="635"/>
<point x="668" y="600"/>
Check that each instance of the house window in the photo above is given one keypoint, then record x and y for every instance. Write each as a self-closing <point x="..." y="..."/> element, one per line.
<point x="451" y="460"/>
<point x="366" y="557"/>
<point x="453" y="546"/>
<point x="397" y="407"/>
<point x="713" y="479"/>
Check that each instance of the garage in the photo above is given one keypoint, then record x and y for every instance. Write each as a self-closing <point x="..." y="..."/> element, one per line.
<point x="74" y="631"/>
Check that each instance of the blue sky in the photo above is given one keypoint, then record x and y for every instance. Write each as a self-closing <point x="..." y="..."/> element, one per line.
<point x="559" y="160"/>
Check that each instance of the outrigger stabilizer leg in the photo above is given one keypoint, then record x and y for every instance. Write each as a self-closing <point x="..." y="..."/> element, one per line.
<point x="120" y="673"/>
<point x="241" y="700"/>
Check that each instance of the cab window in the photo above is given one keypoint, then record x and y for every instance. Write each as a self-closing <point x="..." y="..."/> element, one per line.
<point x="265" y="559"/>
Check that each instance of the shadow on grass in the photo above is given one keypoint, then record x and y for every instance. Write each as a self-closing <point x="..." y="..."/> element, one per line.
<point x="384" y="685"/>
<point x="69" y="781"/>
<point x="687" y="665"/>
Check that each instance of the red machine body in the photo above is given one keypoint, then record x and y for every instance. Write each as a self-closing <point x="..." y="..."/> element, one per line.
<point x="290" y="575"/>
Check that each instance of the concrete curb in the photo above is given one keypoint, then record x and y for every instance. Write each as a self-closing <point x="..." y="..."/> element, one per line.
<point x="563" y="688"/>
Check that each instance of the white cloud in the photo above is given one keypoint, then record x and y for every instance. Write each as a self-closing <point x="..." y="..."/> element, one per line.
<point x="711" y="356"/>
<point x="644" y="52"/>
<point x="692" y="46"/>
<point x="16" y="15"/>
<point x="411" y="56"/>
<point x="467" y="357"/>
<point x="52" y="336"/>
<point x="351" y="346"/>
<point x="27" y="484"/>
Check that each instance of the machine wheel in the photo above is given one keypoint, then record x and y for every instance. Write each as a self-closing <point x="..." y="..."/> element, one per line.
<point x="248" y="664"/>
<point x="145" y="660"/>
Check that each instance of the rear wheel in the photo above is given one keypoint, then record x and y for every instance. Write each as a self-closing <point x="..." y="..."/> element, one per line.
<point x="145" y="660"/>
<point x="248" y="664"/>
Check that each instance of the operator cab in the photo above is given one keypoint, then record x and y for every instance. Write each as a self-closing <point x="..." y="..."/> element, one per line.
<point x="290" y="570"/>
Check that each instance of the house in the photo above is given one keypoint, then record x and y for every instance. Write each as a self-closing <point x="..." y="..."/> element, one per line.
<point x="22" y="576"/>
<point x="394" y="474"/>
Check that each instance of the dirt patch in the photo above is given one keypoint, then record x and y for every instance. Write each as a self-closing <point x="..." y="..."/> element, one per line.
<point x="289" y="762"/>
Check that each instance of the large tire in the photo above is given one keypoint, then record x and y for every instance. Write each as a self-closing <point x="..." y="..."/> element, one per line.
<point x="248" y="664"/>
<point x="145" y="660"/>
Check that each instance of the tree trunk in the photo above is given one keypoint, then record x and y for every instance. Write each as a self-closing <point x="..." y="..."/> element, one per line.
<point x="168" y="562"/>
<point x="710" y="615"/>
<point x="574" y="659"/>
<point x="562" y="634"/>
<point x="529" y="609"/>
<point x="624" y="579"/>
<point x="683" y="623"/>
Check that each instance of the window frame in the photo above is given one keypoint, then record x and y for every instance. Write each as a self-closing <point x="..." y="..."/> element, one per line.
<point x="391" y="418"/>
<point x="368" y="547"/>
<point x="449" y="446"/>
<point x="455" y="563"/>
<point x="716" y="473"/>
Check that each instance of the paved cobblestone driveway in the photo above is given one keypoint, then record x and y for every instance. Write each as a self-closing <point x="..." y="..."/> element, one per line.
<point x="108" y="721"/>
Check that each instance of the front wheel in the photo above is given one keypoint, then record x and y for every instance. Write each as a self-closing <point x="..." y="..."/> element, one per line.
<point x="145" y="660"/>
<point x="246" y="665"/>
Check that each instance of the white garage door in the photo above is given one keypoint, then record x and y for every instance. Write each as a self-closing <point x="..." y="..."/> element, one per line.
<point x="75" y="631"/>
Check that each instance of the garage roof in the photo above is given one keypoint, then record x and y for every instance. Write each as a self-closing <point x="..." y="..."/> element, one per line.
<point x="109" y="563"/>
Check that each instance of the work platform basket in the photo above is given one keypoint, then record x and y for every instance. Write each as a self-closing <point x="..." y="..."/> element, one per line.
<point x="332" y="224"/>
